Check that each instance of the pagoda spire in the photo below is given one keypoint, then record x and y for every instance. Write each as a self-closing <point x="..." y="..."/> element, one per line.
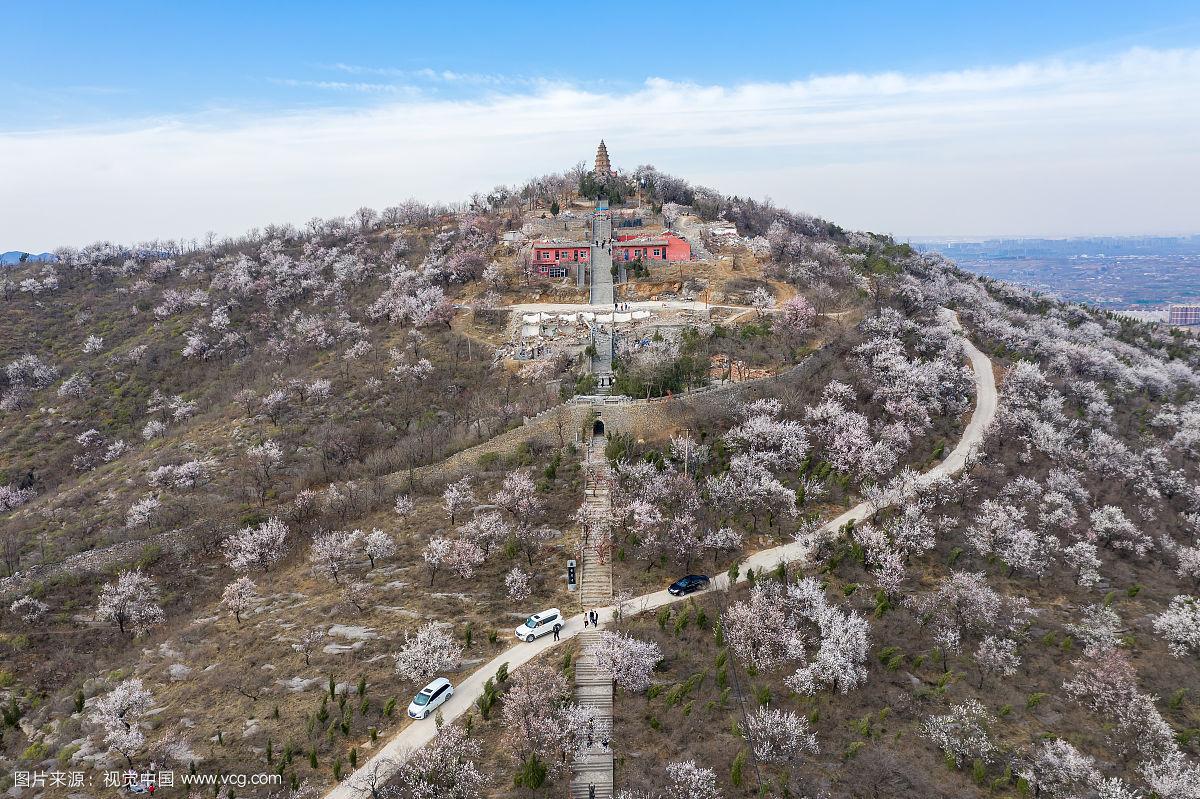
<point x="603" y="167"/>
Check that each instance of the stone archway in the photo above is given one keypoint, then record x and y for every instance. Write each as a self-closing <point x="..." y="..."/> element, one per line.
<point x="598" y="427"/>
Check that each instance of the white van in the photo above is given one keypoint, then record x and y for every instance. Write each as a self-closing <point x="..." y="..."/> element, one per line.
<point x="430" y="697"/>
<point x="539" y="624"/>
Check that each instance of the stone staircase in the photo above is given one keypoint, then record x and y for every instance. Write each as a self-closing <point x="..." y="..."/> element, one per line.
<point x="602" y="368"/>
<point x="592" y="773"/>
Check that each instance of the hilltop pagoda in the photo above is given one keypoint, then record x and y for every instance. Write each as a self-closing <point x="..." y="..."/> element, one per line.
<point x="603" y="167"/>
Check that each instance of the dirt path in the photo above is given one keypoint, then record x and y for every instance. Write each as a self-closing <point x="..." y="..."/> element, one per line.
<point x="391" y="756"/>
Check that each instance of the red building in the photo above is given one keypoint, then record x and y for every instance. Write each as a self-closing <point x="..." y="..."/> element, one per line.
<point x="553" y="258"/>
<point x="664" y="247"/>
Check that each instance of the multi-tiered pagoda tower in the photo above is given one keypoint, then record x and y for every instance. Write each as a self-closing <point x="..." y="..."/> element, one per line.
<point x="603" y="167"/>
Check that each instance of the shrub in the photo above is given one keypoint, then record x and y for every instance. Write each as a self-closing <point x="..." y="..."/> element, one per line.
<point x="891" y="658"/>
<point x="681" y="621"/>
<point x="66" y="753"/>
<point x="150" y="554"/>
<point x="735" y="770"/>
<point x="531" y="775"/>
<point x="36" y="752"/>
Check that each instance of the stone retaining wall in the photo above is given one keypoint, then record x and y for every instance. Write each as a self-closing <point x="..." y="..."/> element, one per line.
<point x="637" y="417"/>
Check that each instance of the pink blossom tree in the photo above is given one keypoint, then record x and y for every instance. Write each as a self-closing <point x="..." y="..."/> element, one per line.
<point x="797" y="315"/>
<point x="142" y="512"/>
<point x="843" y="642"/>
<point x="264" y="462"/>
<point x="459" y="555"/>
<point x="1098" y="628"/>
<point x="131" y="602"/>
<point x="1112" y="527"/>
<point x="517" y="584"/>
<point x="258" y="547"/>
<point x="487" y="530"/>
<point x="690" y="781"/>
<point x="722" y="540"/>
<point x="378" y="545"/>
<point x="430" y="651"/>
<point x="445" y="768"/>
<point x="629" y="660"/>
<point x="458" y="496"/>
<point x="1086" y="559"/>
<point x="13" y="497"/>
<point x="1059" y="770"/>
<point x="537" y="716"/>
<point x="239" y="596"/>
<point x="120" y="714"/>
<point x="518" y="496"/>
<point x="308" y="643"/>
<point x="465" y="557"/>
<point x="29" y="609"/>
<point x="962" y="603"/>
<point x="778" y="735"/>
<point x="1179" y="624"/>
<point x="996" y="656"/>
<point x="759" y="629"/>
<point x="963" y="732"/>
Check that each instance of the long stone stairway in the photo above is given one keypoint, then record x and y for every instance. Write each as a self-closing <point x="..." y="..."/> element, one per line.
<point x="602" y="368"/>
<point x="592" y="774"/>
<point x="602" y="290"/>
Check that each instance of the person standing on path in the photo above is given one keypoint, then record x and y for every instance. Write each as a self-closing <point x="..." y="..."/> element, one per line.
<point x="556" y="628"/>
<point x="586" y="617"/>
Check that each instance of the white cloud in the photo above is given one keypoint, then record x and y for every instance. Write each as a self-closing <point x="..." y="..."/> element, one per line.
<point x="1055" y="147"/>
<point x="347" y="86"/>
<point x="442" y="75"/>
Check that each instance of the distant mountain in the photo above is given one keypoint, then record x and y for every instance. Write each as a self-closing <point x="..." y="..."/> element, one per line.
<point x="14" y="257"/>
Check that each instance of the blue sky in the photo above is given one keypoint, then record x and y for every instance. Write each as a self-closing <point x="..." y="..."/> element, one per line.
<point x="831" y="108"/>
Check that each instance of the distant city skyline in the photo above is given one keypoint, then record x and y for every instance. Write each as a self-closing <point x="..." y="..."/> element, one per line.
<point x="930" y="121"/>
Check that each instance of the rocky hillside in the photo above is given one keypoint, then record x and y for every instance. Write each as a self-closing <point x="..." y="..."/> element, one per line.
<point x="220" y="555"/>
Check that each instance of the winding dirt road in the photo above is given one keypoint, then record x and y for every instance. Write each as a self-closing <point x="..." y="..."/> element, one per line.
<point x="391" y="756"/>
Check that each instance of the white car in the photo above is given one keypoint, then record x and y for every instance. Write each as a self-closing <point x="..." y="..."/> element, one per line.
<point x="539" y="624"/>
<point x="430" y="697"/>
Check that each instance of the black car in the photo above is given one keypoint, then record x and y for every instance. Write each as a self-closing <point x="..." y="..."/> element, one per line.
<point x="686" y="585"/>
